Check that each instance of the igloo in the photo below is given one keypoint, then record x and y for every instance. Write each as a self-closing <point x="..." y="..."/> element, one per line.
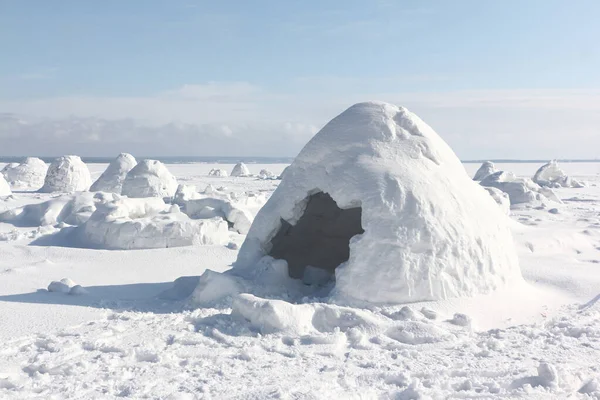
<point x="149" y="178"/>
<point x="380" y="201"/>
<point x="28" y="174"/>
<point x="240" y="169"/>
<point x="67" y="174"/>
<point x="486" y="169"/>
<point x="112" y="178"/>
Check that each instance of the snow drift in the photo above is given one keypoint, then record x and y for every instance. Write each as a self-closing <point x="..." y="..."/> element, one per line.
<point x="551" y="175"/>
<point x="29" y="174"/>
<point x="67" y="174"/>
<point x="380" y="200"/>
<point x="519" y="190"/>
<point x="486" y="169"/>
<point x="240" y="169"/>
<point x="112" y="178"/>
<point x="149" y="178"/>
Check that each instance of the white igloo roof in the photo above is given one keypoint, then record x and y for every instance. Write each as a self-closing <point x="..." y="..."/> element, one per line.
<point x="430" y="231"/>
<point x="67" y="174"/>
<point x="240" y="169"/>
<point x="112" y="178"/>
<point x="28" y="174"/>
<point x="149" y="178"/>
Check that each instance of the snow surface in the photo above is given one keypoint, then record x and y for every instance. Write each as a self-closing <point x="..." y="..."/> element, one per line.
<point x="240" y="169"/>
<point x="28" y="175"/>
<point x="112" y="178"/>
<point x="431" y="232"/>
<point x="4" y="187"/>
<point x="486" y="169"/>
<point x="67" y="174"/>
<point x="551" y="175"/>
<point x="149" y="178"/>
<point x="119" y="339"/>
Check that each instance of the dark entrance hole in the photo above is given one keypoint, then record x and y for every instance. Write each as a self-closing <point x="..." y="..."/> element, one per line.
<point x="320" y="238"/>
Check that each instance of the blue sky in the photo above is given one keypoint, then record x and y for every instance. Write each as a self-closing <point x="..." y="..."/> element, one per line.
<point x="304" y="61"/>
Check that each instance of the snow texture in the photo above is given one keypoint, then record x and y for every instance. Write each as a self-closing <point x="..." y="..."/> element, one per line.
<point x="486" y="169"/>
<point x="239" y="218"/>
<point x="149" y="178"/>
<point x="501" y="198"/>
<point x="240" y="169"/>
<point x="431" y="232"/>
<point x="218" y="172"/>
<point x="67" y="174"/>
<point x="148" y="223"/>
<point x="551" y="175"/>
<point x="4" y="187"/>
<point x="519" y="190"/>
<point x="29" y="174"/>
<point x="112" y="178"/>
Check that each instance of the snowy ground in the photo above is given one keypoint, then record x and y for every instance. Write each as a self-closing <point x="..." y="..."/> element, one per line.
<point x="118" y="340"/>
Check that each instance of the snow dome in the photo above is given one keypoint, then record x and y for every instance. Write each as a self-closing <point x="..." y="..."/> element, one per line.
<point x="112" y="178"/>
<point x="486" y="169"/>
<point x="380" y="201"/>
<point x="28" y="174"/>
<point x="149" y="178"/>
<point x="67" y="174"/>
<point x="240" y="169"/>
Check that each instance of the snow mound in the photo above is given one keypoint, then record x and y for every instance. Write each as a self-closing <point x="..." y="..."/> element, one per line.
<point x="148" y="223"/>
<point x="266" y="174"/>
<point x="67" y="174"/>
<point x="69" y="209"/>
<point x="185" y="193"/>
<point x="501" y="198"/>
<point x="4" y="187"/>
<point x="218" y="172"/>
<point x="379" y="199"/>
<point x="486" y="169"/>
<point x="149" y="178"/>
<point x="240" y="169"/>
<point x="29" y="174"/>
<point x="112" y="178"/>
<point x="519" y="190"/>
<point x="551" y="175"/>
<point x="239" y="219"/>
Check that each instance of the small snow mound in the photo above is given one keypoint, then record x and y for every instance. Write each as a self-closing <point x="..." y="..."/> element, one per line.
<point x="149" y="178"/>
<point x="519" y="190"/>
<point x="240" y="169"/>
<point x="112" y="178"/>
<point x="67" y="174"/>
<point x="547" y="374"/>
<point x="63" y="286"/>
<point x="486" y="169"/>
<point x="77" y="290"/>
<point x="218" y="173"/>
<point x="238" y="218"/>
<point x="185" y="193"/>
<point x="4" y="187"/>
<point x="265" y="174"/>
<point x="551" y="175"/>
<point x="29" y="174"/>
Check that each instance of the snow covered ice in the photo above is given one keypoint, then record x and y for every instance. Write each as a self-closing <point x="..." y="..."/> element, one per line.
<point x="149" y="178"/>
<point x="112" y="178"/>
<point x="67" y="174"/>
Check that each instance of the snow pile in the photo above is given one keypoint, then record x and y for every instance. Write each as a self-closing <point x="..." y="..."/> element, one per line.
<point x="239" y="219"/>
<point x="185" y="193"/>
<point x="149" y="178"/>
<point x="66" y="286"/>
<point x="519" y="190"/>
<point x="486" y="169"/>
<point x="30" y="174"/>
<point x="67" y="174"/>
<point x="379" y="199"/>
<point x="266" y="174"/>
<point x="69" y="209"/>
<point x="4" y="187"/>
<point x="240" y="169"/>
<point x="147" y="223"/>
<point x="550" y="175"/>
<point x="218" y="172"/>
<point x="112" y="178"/>
<point x="501" y="198"/>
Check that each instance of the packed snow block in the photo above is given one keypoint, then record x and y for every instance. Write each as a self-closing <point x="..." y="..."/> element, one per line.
<point x="238" y="218"/>
<point x="218" y="173"/>
<point x="519" y="190"/>
<point x="148" y="223"/>
<point x="416" y="227"/>
<point x="29" y="174"/>
<point x="552" y="176"/>
<point x="4" y="187"/>
<point x="185" y="193"/>
<point x="240" y="169"/>
<point x="67" y="174"/>
<point x="112" y="178"/>
<point x="486" y="169"/>
<point x="149" y="178"/>
<point x="265" y="174"/>
<point x="211" y="288"/>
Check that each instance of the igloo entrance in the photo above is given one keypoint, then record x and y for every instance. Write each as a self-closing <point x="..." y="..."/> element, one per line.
<point x="320" y="238"/>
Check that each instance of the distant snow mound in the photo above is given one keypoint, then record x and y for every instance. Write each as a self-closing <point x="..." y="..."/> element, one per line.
<point x="29" y="174"/>
<point x="378" y="199"/>
<point x="149" y="178"/>
<point x="112" y="178"/>
<point x="67" y="174"/>
<point x="266" y="174"/>
<point x="185" y="193"/>
<point x="4" y="187"/>
<point x="519" y="190"/>
<point x="551" y="175"/>
<point x="148" y="223"/>
<point x="239" y="219"/>
<point x="486" y="169"/>
<point x="218" y="172"/>
<point x="240" y="169"/>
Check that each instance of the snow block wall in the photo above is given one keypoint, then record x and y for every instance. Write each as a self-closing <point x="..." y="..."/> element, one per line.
<point x="67" y="174"/>
<point x="430" y="231"/>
